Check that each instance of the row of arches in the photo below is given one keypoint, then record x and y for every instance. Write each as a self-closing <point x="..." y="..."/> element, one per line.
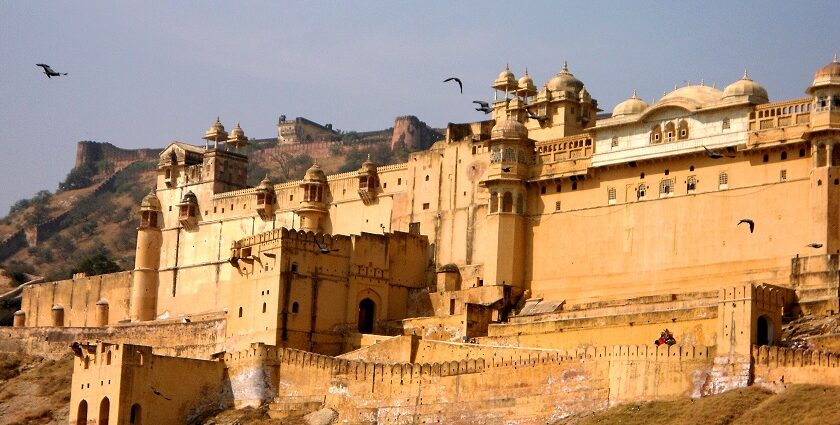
<point x="669" y="132"/>
<point x="506" y="201"/>
<point x="135" y="415"/>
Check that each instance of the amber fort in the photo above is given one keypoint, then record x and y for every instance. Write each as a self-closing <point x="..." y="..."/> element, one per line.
<point x="518" y="271"/>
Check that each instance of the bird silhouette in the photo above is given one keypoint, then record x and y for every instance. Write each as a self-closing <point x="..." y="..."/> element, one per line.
<point x="536" y="117"/>
<point x="157" y="393"/>
<point x="815" y="245"/>
<point x="49" y="71"/>
<point x="506" y="169"/>
<point x="748" y="221"/>
<point x="457" y="80"/>
<point x="322" y="249"/>
<point x="483" y="106"/>
<point x="716" y="155"/>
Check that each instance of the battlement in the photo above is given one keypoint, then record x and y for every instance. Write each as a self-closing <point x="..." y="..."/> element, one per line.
<point x="793" y="357"/>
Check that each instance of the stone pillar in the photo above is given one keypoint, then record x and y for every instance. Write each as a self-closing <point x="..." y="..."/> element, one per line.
<point x="58" y="316"/>
<point x="102" y="313"/>
<point x="20" y="319"/>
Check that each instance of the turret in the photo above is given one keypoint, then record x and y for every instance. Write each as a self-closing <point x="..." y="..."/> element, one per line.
<point x="313" y="208"/>
<point x="266" y="198"/>
<point x="368" y="181"/>
<point x="824" y="135"/>
<point x="510" y="152"/>
<point x="143" y="298"/>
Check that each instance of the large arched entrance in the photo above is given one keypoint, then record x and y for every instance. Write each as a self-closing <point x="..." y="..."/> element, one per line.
<point x="367" y="311"/>
<point x="81" y="414"/>
<point x="135" y="417"/>
<point x="104" y="410"/>
<point x="764" y="331"/>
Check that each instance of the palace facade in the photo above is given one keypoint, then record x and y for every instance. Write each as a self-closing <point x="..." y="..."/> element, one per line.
<point x="547" y="231"/>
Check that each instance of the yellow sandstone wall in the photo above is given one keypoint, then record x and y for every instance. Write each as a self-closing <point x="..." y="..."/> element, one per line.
<point x="776" y="367"/>
<point x="549" y="385"/>
<point x="78" y="297"/>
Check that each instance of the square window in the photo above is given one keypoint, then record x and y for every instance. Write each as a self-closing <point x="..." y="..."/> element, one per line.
<point x="426" y="206"/>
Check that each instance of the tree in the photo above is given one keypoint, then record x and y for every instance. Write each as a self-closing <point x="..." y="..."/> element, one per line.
<point x="96" y="264"/>
<point x="78" y="178"/>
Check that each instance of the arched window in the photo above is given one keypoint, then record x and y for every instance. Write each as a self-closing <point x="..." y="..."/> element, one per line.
<point x="104" y="411"/>
<point x="264" y="306"/>
<point x="494" y="202"/>
<point x="669" y="132"/>
<point x="367" y="315"/>
<point x="507" y="202"/>
<point x="81" y="414"/>
<point x="295" y="307"/>
<point x="682" y="130"/>
<point x="784" y="155"/>
<point x="641" y="191"/>
<point x="135" y="417"/>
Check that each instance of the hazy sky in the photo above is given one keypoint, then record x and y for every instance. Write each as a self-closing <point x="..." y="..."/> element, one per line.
<point x="142" y="74"/>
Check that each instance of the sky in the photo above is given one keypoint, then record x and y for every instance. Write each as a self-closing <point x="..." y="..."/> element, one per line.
<point x="142" y="74"/>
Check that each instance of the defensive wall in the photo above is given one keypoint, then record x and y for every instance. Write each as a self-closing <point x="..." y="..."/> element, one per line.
<point x="199" y="339"/>
<point x="775" y="367"/>
<point x="89" y="152"/>
<point x="30" y="236"/>
<point x="549" y="384"/>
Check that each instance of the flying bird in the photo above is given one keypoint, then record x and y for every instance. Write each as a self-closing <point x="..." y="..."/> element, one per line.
<point x="49" y="71"/>
<point x="815" y="245"/>
<point x="506" y="169"/>
<point x="322" y="249"/>
<point x="534" y="116"/>
<point x="457" y="80"/>
<point x="157" y="393"/>
<point x="483" y="106"/>
<point x="716" y="155"/>
<point x="748" y="221"/>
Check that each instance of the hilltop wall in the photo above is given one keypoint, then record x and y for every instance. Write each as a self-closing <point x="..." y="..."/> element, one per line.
<point x="89" y="152"/>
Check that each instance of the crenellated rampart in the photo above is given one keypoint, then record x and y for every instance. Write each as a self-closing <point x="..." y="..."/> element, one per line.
<point x="555" y="383"/>
<point x="775" y="367"/>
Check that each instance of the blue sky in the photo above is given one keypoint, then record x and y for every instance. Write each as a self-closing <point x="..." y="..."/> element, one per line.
<point x="142" y="74"/>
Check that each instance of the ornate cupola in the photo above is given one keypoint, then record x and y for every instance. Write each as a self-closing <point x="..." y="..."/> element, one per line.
<point x="313" y="208"/>
<point x="150" y="211"/>
<point x="368" y="181"/>
<point x="525" y="86"/>
<point x="188" y="210"/>
<point x="265" y="198"/>
<point x="215" y="134"/>
<point x="237" y="138"/>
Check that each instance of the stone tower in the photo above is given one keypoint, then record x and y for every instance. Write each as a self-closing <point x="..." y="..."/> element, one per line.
<point x="143" y="299"/>
<point x="510" y="152"/>
<point x="824" y="136"/>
